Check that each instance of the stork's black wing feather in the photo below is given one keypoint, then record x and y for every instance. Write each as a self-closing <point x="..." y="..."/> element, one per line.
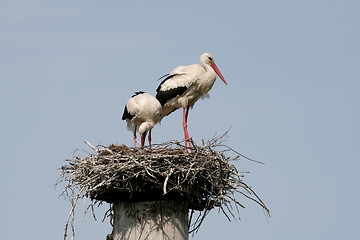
<point x="164" y="96"/>
<point x="126" y="114"/>
<point x="137" y="93"/>
<point x="168" y="76"/>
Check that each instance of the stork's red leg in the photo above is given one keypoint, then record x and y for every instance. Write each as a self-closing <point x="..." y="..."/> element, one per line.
<point x="185" y="116"/>
<point x="135" y="137"/>
<point x="143" y="141"/>
<point x="186" y="135"/>
<point x="149" y="139"/>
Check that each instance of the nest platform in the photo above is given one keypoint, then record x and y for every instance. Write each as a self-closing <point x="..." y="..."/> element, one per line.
<point x="202" y="177"/>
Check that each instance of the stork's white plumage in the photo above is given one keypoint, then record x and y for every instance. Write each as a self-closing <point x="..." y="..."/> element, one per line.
<point x="185" y="85"/>
<point x="144" y="111"/>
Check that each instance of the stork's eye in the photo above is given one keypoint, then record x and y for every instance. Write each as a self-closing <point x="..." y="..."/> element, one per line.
<point x="210" y="58"/>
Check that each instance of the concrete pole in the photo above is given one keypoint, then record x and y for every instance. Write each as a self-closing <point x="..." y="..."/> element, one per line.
<point x="153" y="220"/>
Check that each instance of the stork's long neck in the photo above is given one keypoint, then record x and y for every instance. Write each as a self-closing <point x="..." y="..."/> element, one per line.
<point x="207" y="67"/>
<point x="206" y="82"/>
<point x="209" y="72"/>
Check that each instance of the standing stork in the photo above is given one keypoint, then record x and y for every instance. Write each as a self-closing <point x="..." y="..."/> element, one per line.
<point x="185" y="85"/>
<point x="142" y="110"/>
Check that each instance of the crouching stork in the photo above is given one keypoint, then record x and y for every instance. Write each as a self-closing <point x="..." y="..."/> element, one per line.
<point x="142" y="110"/>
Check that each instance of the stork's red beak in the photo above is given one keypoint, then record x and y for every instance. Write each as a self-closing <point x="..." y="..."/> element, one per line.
<point x="218" y="72"/>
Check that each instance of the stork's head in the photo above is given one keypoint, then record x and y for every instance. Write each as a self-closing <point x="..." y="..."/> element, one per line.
<point x="208" y="59"/>
<point x="145" y="127"/>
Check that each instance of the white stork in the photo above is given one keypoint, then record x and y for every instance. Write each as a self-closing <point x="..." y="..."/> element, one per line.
<point x="185" y="85"/>
<point x="142" y="110"/>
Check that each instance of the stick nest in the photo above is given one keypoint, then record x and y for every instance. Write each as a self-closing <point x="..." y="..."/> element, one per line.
<point x="203" y="177"/>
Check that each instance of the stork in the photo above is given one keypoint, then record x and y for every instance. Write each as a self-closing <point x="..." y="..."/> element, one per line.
<point x="185" y="85"/>
<point x="144" y="111"/>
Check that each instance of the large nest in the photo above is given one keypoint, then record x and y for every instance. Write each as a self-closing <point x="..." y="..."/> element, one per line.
<point x="202" y="177"/>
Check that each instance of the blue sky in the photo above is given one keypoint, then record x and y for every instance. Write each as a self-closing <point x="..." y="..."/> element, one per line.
<point x="292" y="101"/>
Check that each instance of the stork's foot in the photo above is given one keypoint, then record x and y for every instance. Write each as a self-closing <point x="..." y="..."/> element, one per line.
<point x="188" y="142"/>
<point x="187" y="139"/>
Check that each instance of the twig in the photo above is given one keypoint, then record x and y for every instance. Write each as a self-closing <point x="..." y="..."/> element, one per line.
<point x="243" y="155"/>
<point x="166" y="180"/>
<point x="93" y="148"/>
<point x="72" y="213"/>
